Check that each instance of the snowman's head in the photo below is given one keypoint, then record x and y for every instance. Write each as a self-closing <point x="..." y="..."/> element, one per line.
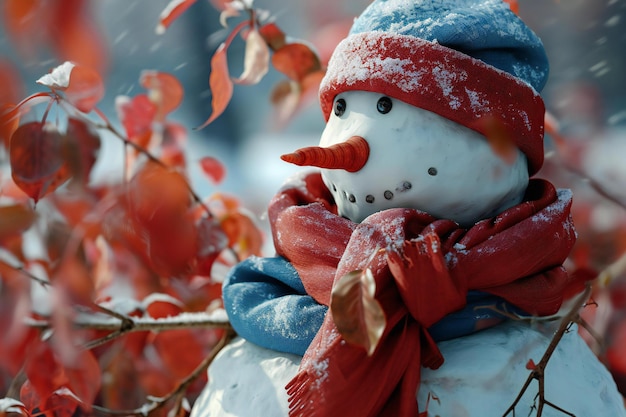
<point x="411" y="158"/>
<point x="411" y="96"/>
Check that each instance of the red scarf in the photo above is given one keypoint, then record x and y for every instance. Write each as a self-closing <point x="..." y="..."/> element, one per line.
<point x="424" y="272"/>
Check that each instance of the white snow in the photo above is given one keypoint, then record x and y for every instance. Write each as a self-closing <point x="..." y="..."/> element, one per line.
<point x="59" y="77"/>
<point x="481" y="376"/>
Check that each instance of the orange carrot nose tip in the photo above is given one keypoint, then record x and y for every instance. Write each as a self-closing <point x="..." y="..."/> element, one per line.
<point x="293" y="158"/>
<point x="350" y="155"/>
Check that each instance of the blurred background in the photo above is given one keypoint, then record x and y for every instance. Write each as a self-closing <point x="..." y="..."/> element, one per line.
<point x="585" y="96"/>
<point x="585" y="41"/>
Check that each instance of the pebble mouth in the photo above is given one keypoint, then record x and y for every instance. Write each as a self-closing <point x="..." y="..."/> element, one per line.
<point x="403" y="186"/>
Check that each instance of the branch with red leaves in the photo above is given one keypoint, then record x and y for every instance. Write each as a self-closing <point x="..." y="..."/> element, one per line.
<point x="151" y="235"/>
<point x="265" y="43"/>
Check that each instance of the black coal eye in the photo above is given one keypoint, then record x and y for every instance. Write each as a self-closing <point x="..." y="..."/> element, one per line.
<point x="384" y="105"/>
<point x="340" y="107"/>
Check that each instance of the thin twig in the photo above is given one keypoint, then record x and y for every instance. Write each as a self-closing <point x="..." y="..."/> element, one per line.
<point x="155" y="403"/>
<point x="538" y="372"/>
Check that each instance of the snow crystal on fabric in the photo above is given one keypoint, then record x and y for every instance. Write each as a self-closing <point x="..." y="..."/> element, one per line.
<point x="484" y="29"/>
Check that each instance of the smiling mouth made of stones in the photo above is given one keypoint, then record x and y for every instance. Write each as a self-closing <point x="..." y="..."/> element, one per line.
<point x="404" y="186"/>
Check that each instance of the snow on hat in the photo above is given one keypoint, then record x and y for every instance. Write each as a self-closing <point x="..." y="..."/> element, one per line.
<point x="471" y="61"/>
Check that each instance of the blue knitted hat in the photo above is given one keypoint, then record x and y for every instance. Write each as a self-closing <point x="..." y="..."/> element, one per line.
<point x="471" y="61"/>
<point x="484" y="29"/>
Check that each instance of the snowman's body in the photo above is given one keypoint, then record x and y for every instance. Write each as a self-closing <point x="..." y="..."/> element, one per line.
<point x="481" y="377"/>
<point x="419" y="160"/>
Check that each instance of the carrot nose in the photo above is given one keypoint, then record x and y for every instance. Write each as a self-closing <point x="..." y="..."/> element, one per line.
<point x="350" y="155"/>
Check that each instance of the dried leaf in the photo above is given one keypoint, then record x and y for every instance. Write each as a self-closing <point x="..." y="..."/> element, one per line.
<point x="274" y="37"/>
<point x="165" y="91"/>
<point x="220" y="84"/>
<point x="36" y="156"/>
<point x="213" y="169"/>
<point x="256" y="61"/>
<point x="296" y="60"/>
<point x="285" y="98"/>
<point x="171" y="12"/>
<point x="358" y="316"/>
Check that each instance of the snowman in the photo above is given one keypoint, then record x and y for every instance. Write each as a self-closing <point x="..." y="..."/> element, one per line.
<point x="420" y="223"/>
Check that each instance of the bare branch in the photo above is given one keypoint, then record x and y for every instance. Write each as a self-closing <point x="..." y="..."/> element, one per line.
<point x="538" y="372"/>
<point x="119" y="327"/>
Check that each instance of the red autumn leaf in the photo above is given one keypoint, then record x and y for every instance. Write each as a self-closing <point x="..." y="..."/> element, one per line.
<point x="72" y="275"/>
<point x="136" y="115"/>
<point x="211" y="242"/>
<point x="296" y="60"/>
<point x="12" y="90"/>
<point x="514" y="5"/>
<point x="160" y="202"/>
<point x="220" y="84"/>
<point x="358" y="316"/>
<point x="84" y="376"/>
<point x="81" y="148"/>
<point x="173" y="146"/>
<point x="213" y="169"/>
<point x="256" y="59"/>
<point x="171" y="12"/>
<point x="9" y="122"/>
<point x="242" y="234"/>
<point x="15" y="219"/>
<point x="19" y="18"/>
<point x="165" y="91"/>
<point x="44" y="372"/>
<point x="74" y="34"/>
<point x="499" y="140"/>
<point x="180" y="351"/>
<point x="530" y="365"/>
<point x="85" y="89"/>
<point x="274" y="37"/>
<point x="159" y="305"/>
<point x="37" y="164"/>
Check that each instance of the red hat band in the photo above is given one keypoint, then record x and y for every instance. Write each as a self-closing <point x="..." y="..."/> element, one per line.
<point x="442" y="80"/>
